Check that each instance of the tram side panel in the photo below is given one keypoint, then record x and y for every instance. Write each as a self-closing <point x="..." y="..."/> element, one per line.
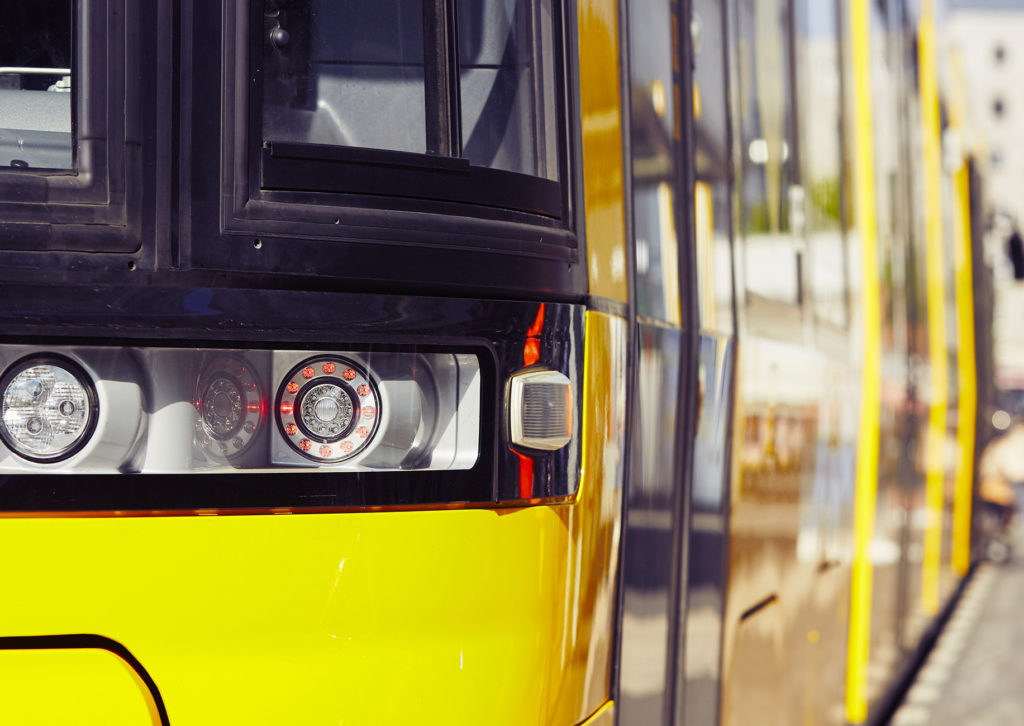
<point x="791" y="496"/>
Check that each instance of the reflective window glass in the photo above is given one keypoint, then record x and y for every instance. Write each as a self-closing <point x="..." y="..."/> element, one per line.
<point x="766" y="172"/>
<point x="345" y="73"/>
<point x="507" y="85"/>
<point x="376" y="74"/>
<point x="35" y="85"/>
<point x="652" y="106"/>
<point x="711" y="191"/>
<point x="819" y="59"/>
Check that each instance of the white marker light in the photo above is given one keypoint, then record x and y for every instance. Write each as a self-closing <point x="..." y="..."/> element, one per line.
<point x="540" y="410"/>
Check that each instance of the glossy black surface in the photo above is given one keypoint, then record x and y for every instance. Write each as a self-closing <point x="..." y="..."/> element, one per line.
<point x="652" y="530"/>
<point x="157" y="315"/>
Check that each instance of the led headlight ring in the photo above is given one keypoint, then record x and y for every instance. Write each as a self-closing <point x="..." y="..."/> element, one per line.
<point x="48" y="408"/>
<point x="328" y="408"/>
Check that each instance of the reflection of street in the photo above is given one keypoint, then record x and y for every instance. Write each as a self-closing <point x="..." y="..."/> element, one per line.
<point x="793" y="633"/>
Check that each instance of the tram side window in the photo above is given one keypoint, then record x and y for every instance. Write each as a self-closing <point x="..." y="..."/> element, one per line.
<point x="819" y="61"/>
<point x="35" y="85"/>
<point x="400" y="75"/>
<point x="767" y="178"/>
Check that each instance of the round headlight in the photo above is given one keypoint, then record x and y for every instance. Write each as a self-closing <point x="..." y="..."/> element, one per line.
<point x="328" y="408"/>
<point x="48" y="409"/>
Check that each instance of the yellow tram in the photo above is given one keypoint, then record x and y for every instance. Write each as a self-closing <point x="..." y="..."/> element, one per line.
<point x="492" y="361"/>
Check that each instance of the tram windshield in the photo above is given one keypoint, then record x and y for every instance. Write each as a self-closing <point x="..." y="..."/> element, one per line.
<point x="379" y="75"/>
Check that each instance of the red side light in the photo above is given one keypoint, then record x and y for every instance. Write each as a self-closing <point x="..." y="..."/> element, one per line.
<point x="531" y="348"/>
<point x="308" y="373"/>
<point x="363" y="390"/>
<point x="538" y="323"/>
<point x="328" y="368"/>
<point x="349" y="374"/>
<point x="525" y="476"/>
<point x="531" y="351"/>
<point x="287" y="407"/>
<point x="292" y="387"/>
<point x="325" y="451"/>
<point x="305" y="444"/>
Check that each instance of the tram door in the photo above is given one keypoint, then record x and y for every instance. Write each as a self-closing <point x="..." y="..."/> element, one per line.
<point x="698" y="676"/>
<point x="654" y="522"/>
<point x="672" y="584"/>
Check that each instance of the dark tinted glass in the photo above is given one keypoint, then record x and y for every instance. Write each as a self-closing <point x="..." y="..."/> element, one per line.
<point x="344" y="73"/>
<point x="652" y="107"/>
<point x="35" y="85"/>
<point x="507" y="84"/>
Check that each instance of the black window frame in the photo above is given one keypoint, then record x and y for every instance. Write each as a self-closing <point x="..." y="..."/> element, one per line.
<point x="96" y="205"/>
<point x="305" y="190"/>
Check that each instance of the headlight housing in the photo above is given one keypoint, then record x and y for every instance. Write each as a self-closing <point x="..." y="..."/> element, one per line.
<point x="48" y="408"/>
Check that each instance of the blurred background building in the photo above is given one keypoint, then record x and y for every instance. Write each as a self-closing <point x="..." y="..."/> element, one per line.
<point x="985" y="42"/>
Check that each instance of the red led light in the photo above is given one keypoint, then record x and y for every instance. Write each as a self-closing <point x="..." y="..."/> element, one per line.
<point x="349" y="374"/>
<point x="531" y="351"/>
<point x="292" y="387"/>
<point x="525" y="476"/>
<point x="369" y="411"/>
<point x="325" y="451"/>
<point x="291" y="429"/>
<point x="363" y="390"/>
<point x="305" y="444"/>
<point x="531" y="347"/>
<point x="328" y="368"/>
<point x="538" y="323"/>
<point x="308" y="373"/>
<point x="286" y="408"/>
<point x="347" y="446"/>
<point x="363" y="432"/>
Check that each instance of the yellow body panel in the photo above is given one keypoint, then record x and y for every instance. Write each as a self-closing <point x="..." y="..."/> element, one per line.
<point x="81" y="687"/>
<point x="463" y="616"/>
<point x="967" y="403"/>
<point x="601" y="121"/>
<point x="866" y="492"/>
<point x="605" y="716"/>
<point x="937" y="345"/>
<point x="967" y="374"/>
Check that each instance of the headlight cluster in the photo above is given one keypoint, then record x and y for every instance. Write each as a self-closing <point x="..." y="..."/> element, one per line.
<point x="166" y="410"/>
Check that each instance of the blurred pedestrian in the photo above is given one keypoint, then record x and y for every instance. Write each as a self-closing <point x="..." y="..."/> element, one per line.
<point x="1015" y="251"/>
